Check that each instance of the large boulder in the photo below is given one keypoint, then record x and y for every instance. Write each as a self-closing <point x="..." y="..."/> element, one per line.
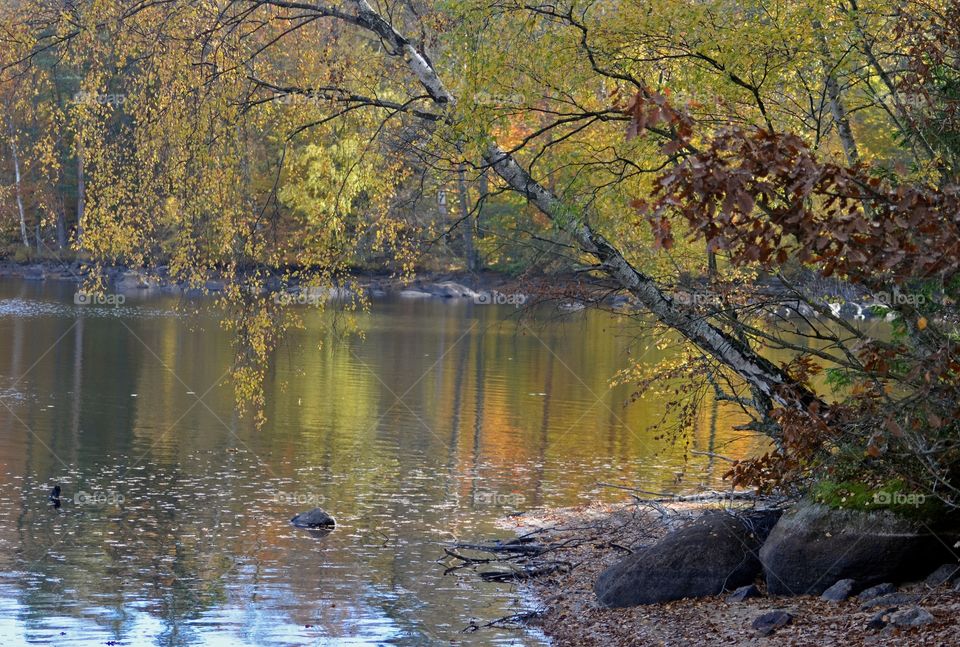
<point x="717" y="552"/>
<point x="813" y="546"/>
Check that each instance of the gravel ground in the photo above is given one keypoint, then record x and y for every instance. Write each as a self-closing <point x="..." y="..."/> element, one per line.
<point x="594" y="537"/>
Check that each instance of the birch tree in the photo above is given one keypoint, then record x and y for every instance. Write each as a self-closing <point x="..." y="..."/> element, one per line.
<point x="253" y="133"/>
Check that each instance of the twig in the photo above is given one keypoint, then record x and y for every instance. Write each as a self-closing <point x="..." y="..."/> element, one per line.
<point x="523" y="547"/>
<point x="712" y="455"/>
<point x="663" y="497"/>
<point x="523" y="616"/>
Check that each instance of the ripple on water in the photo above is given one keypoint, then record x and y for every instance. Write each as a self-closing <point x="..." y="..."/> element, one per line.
<point x="32" y="308"/>
<point x="428" y="430"/>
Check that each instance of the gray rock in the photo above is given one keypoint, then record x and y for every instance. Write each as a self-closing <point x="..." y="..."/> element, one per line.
<point x="34" y="273"/>
<point x="876" y="591"/>
<point x="813" y="546"/>
<point x="451" y="290"/>
<point x="910" y="617"/>
<point x="840" y="591"/>
<point x="890" y="600"/>
<point x="769" y="622"/>
<point x="956" y="585"/>
<point x="414" y="294"/>
<point x="744" y="592"/>
<point x="315" y="518"/>
<point x="130" y="280"/>
<point x="716" y="552"/>
<point x="943" y="575"/>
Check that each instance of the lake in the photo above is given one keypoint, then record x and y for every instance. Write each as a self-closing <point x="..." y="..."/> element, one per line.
<point x="175" y="527"/>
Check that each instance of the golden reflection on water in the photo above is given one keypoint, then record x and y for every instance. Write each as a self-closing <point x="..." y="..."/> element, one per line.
<point x="445" y="417"/>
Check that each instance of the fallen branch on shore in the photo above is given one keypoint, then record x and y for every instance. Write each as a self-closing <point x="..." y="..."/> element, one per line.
<point x="516" y="572"/>
<point x="514" y="618"/>
<point x="664" y="497"/>
<point x="522" y="546"/>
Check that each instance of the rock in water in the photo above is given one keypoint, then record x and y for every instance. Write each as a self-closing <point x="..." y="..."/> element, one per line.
<point x="315" y="518"/>
<point x="716" y="552"/>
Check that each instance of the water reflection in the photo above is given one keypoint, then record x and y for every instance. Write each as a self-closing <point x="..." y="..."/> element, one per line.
<point x="174" y="525"/>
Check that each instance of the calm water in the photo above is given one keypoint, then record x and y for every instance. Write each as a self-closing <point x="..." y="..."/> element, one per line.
<point x="174" y="529"/>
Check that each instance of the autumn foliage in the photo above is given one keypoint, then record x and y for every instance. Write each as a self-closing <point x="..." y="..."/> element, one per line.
<point x="765" y="199"/>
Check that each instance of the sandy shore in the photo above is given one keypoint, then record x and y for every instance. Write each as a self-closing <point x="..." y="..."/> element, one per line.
<point x="589" y="539"/>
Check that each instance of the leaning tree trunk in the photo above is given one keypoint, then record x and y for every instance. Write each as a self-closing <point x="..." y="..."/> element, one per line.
<point x="760" y="374"/>
<point x="756" y="370"/>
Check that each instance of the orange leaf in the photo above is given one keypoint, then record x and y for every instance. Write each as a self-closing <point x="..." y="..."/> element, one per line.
<point x="894" y="428"/>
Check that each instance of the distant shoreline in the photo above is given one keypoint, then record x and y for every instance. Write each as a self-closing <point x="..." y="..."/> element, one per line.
<point x="124" y="278"/>
<point x="567" y="291"/>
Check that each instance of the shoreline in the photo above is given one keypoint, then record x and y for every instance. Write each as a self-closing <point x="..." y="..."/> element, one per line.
<point x="567" y="292"/>
<point x="374" y="284"/>
<point x="591" y="538"/>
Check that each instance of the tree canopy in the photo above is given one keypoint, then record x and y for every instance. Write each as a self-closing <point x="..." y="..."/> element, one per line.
<point x="661" y="149"/>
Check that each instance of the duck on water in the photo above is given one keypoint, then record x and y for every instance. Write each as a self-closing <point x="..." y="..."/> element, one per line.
<point x="54" y="496"/>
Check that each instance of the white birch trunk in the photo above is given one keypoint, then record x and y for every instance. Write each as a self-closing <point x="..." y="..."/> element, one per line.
<point x="16" y="175"/>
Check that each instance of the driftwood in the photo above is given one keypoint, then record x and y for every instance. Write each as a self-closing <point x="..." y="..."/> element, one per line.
<point x="521" y="546"/>
<point x="524" y="572"/>
<point x="513" y="618"/>
<point x="664" y="497"/>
